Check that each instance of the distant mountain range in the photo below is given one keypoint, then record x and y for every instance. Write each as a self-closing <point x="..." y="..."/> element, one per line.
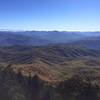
<point x="38" y="38"/>
<point x="90" y="42"/>
<point x="12" y="38"/>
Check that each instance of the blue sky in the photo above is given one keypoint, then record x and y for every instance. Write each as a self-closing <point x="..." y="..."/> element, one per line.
<point x="63" y="15"/>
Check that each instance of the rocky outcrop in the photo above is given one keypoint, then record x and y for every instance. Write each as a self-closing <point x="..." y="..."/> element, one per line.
<point x="16" y="86"/>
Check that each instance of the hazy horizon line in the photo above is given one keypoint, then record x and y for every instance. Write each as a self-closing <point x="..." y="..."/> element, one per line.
<point x="19" y="30"/>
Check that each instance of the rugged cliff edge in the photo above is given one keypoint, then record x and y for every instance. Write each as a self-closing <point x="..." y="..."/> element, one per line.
<point x="17" y="84"/>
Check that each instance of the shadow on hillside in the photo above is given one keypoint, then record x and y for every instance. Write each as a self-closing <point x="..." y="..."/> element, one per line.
<point x="79" y="88"/>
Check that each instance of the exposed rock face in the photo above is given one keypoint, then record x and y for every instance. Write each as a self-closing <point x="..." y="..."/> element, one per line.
<point x="18" y="87"/>
<point x="15" y="86"/>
